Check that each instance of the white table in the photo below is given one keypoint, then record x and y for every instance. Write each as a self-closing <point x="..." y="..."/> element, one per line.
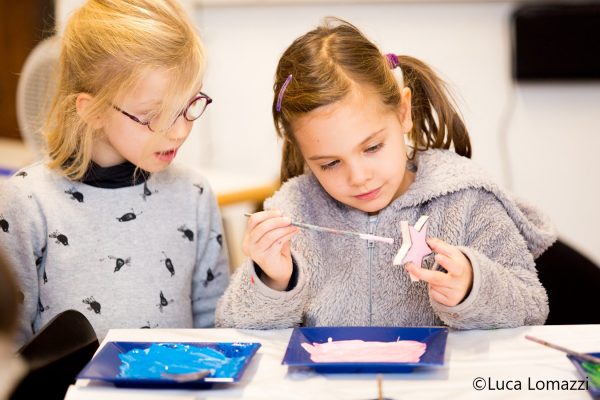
<point x="498" y="356"/>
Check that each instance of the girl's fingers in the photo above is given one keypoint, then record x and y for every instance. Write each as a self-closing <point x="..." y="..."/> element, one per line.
<point x="440" y="297"/>
<point x="269" y="225"/>
<point x="286" y="248"/>
<point x="271" y="238"/>
<point x="283" y="244"/>
<point x="436" y="278"/>
<point x="446" y="288"/>
<point x="258" y="225"/>
<point x="446" y="296"/>
<point x="257" y="218"/>
<point x="276" y="238"/>
<point x="453" y="266"/>
<point x="448" y="256"/>
<point x="441" y="247"/>
<point x="445" y="291"/>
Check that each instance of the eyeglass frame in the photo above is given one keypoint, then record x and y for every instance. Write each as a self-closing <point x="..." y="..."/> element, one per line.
<point x="200" y="95"/>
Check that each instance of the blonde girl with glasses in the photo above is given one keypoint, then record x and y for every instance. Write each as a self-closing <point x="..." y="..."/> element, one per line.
<point x="372" y="143"/>
<point x="108" y="224"/>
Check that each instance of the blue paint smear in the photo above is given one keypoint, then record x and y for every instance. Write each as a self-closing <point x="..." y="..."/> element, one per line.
<point x="177" y="358"/>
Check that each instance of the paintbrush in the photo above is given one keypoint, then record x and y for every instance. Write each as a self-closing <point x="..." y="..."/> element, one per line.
<point x="364" y="236"/>
<point x="576" y="354"/>
<point x="187" y="376"/>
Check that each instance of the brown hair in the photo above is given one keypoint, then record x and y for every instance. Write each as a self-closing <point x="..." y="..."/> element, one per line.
<point x="107" y="46"/>
<point x="326" y="62"/>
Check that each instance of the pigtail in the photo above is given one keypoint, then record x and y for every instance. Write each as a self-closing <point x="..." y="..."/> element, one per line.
<point x="429" y="96"/>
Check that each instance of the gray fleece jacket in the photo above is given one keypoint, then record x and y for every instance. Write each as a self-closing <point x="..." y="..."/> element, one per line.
<point x="343" y="281"/>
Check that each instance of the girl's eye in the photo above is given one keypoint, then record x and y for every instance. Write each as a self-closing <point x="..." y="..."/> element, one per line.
<point x="329" y="165"/>
<point x="374" y="148"/>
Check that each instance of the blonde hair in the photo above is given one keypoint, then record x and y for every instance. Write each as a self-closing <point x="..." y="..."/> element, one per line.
<point x="107" y="46"/>
<point x="327" y="62"/>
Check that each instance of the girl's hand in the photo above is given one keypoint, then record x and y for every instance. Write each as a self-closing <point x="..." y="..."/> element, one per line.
<point x="449" y="288"/>
<point x="267" y="242"/>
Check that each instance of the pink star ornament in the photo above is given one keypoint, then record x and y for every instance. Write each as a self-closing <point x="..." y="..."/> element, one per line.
<point x="414" y="246"/>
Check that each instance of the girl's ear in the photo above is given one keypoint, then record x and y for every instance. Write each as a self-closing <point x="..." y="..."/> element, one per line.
<point x="405" y="109"/>
<point x="83" y="104"/>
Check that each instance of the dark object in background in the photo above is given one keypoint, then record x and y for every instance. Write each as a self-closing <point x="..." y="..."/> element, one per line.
<point x="556" y="42"/>
<point x="23" y="25"/>
<point x="572" y="282"/>
<point x="10" y="299"/>
<point x="55" y="355"/>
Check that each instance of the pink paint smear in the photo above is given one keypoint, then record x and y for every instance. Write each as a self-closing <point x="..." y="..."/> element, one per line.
<point x="361" y="351"/>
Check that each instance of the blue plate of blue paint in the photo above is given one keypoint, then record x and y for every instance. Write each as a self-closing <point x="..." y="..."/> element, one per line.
<point x="433" y="337"/>
<point x="143" y="364"/>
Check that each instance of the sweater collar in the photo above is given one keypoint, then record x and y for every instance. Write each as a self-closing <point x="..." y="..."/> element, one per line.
<point x="118" y="176"/>
<point x="440" y="172"/>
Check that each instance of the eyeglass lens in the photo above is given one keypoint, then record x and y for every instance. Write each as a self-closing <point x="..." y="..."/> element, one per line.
<point x="193" y="111"/>
<point x="196" y="108"/>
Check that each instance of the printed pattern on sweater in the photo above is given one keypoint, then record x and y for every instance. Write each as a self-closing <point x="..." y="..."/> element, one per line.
<point x="149" y="255"/>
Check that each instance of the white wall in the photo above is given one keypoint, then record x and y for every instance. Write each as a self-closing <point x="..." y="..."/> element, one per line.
<point x="552" y="137"/>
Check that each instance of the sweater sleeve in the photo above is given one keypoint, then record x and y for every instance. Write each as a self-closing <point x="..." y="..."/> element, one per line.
<point x="250" y="304"/>
<point x="23" y="244"/>
<point x="506" y="291"/>
<point x="211" y="274"/>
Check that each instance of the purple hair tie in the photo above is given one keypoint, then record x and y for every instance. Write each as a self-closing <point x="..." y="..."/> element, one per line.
<point x="282" y="91"/>
<point x="393" y="60"/>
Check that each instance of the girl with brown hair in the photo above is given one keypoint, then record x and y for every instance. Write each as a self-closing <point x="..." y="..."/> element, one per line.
<point x="371" y="142"/>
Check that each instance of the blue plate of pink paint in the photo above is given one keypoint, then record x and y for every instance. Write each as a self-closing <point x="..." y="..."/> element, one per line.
<point x="144" y="364"/>
<point x="434" y="339"/>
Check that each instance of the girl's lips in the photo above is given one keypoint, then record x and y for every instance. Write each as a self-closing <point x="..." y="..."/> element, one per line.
<point x="166" y="156"/>
<point x="369" y="195"/>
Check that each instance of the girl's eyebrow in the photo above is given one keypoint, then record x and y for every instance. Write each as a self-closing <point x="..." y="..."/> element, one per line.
<point x="371" y="136"/>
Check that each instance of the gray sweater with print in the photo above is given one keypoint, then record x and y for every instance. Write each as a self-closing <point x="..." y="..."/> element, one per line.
<point x="343" y="281"/>
<point x="145" y="256"/>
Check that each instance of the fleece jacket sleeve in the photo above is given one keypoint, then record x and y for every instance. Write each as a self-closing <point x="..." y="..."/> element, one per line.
<point x="249" y="303"/>
<point x="506" y="291"/>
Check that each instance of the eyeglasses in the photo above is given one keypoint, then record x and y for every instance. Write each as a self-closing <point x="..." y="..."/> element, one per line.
<point x="192" y="112"/>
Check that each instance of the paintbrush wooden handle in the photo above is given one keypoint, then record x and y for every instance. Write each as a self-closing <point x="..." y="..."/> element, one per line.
<point x="581" y="356"/>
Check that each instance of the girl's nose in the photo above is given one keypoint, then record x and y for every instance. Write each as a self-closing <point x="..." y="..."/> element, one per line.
<point x="179" y="130"/>
<point x="358" y="174"/>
